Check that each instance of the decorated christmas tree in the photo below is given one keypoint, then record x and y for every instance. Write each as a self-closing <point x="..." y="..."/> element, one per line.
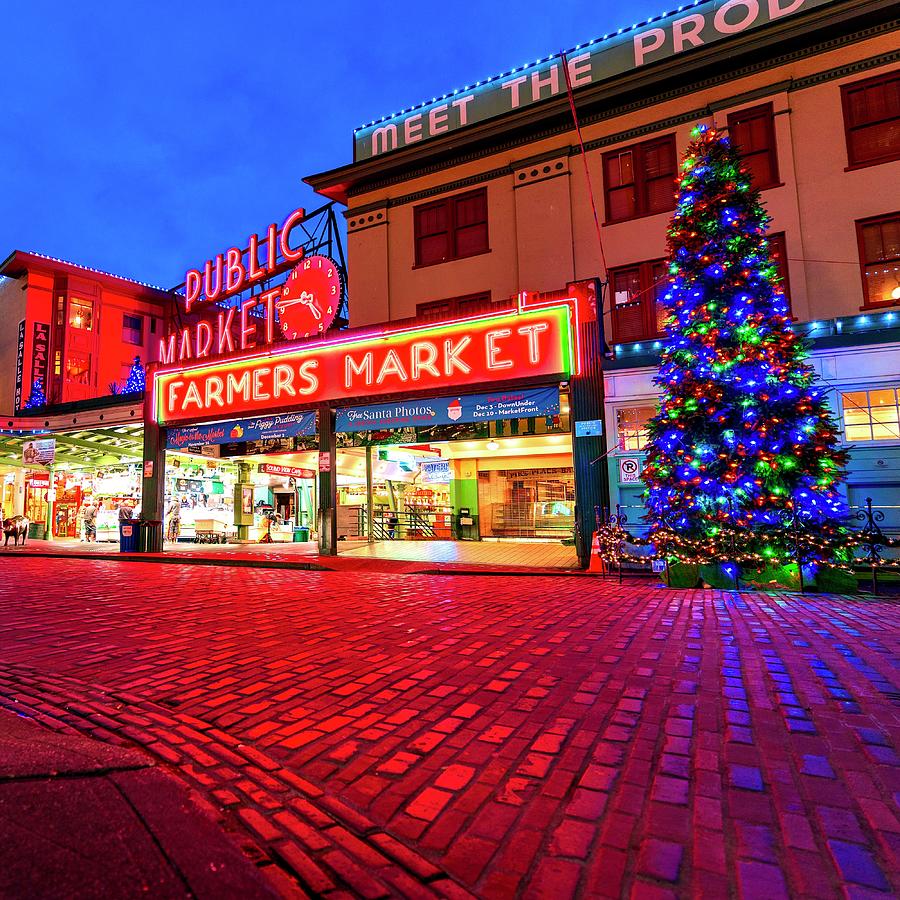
<point x="136" y="378"/>
<point x="743" y="466"/>
<point x="36" y="398"/>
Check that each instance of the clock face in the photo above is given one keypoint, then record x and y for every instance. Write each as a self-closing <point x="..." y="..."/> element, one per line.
<point x="310" y="297"/>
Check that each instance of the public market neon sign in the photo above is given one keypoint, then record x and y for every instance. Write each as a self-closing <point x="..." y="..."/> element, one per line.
<point x="231" y="272"/>
<point x="532" y="342"/>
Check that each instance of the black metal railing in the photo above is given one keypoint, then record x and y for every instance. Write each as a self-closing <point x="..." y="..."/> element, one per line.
<point x="626" y="548"/>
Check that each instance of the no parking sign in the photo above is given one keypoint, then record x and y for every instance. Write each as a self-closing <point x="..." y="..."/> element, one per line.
<point x="629" y="469"/>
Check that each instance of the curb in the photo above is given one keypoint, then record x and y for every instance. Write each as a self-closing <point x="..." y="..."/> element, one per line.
<point x="304" y="840"/>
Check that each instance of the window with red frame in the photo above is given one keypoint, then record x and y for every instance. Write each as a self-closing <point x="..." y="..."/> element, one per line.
<point x="778" y="250"/>
<point x="879" y="257"/>
<point x="640" y="180"/>
<point x="451" y="229"/>
<point x="872" y="120"/>
<point x="638" y="313"/>
<point x="752" y="132"/>
<point x="454" y="307"/>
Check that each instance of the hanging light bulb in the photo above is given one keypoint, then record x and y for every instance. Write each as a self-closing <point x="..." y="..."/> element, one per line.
<point x="493" y="445"/>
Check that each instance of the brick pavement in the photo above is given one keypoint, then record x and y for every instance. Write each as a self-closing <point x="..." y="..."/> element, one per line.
<point x="404" y="735"/>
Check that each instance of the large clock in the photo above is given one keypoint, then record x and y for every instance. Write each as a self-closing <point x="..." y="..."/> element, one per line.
<point x="310" y="297"/>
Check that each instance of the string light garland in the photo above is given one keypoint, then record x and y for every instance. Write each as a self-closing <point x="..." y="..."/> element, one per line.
<point x="743" y="462"/>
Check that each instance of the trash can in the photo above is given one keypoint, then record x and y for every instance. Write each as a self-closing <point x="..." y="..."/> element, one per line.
<point x="149" y="536"/>
<point x="128" y="536"/>
<point x="466" y="526"/>
<point x="301" y="534"/>
<point x="36" y="531"/>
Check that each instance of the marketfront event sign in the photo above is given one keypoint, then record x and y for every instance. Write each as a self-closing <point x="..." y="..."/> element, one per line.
<point x="533" y="342"/>
<point x="693" y="25"/>
<point x="522" y="404"/>
<point x="286" y="425"/>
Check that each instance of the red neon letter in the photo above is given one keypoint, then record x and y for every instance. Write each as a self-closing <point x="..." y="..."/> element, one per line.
<point x="272" y="247"/>
<point x="235" y="273"/>
<point x="167" y="350"/>
<point x="268" y="297"/>
<point x="225" y="339"/>
<point x="247" y="330"/>
<point x="534" y="353"/>
<point x="207" y="278"/>
<point x="493" y="351"/>
<point x="204" y="339"/>
<point x="191" y="288"/>
<point x="289" y="223"/>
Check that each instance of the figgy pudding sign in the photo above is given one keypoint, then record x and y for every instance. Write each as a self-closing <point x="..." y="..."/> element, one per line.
<point x="533" y="342"/>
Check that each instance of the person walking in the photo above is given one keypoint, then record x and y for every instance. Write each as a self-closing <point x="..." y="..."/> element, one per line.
<point x="89" y="517"/>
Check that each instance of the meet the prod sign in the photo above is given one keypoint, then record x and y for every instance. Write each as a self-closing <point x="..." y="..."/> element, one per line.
<point x="533" y="342"/>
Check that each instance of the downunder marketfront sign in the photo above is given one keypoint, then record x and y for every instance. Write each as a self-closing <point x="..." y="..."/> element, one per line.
<point x="531" y="343"/>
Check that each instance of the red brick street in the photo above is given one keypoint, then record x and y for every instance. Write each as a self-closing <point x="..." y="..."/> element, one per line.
<point x="381" y="735"/>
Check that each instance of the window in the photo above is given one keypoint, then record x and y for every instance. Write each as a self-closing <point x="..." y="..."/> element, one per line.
<point x="640" y="180"/>
<point x="638" y="313"/>
<point x="78" y="369"/>
<point x="879" y="256"/>
<point x="81" y="314"/>
<point x="455" y="307"/>
<point x="451" y="229"/>
<point x="872" y="120"/>
<point x="752" y="132"/>
<point x="631" y="426"/>
<point x="132" y="329"/>
<point x="778" y="250"/>
<point x="871" y="415"/>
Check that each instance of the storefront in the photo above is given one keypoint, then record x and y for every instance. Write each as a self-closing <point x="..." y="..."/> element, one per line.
<point x="51" y="472"/>
<point x="474" y="436"/>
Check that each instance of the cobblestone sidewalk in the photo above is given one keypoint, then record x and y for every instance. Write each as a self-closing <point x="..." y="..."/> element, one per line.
<point x="548" y="737"/>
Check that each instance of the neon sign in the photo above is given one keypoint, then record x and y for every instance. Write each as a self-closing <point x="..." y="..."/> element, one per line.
<point x="532" y="342"/>
<point x="310" y="297"/>
<point x="233" y="271"/>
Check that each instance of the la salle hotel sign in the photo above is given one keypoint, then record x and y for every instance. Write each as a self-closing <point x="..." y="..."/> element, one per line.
<point x="692" y="25"/>
<point x="529" y="343"/>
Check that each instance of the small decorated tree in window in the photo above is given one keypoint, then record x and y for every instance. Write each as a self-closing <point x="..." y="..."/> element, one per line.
<point x="37" y="397"/>
<point x="743" y="466"/>
<point x="136" y="378"/>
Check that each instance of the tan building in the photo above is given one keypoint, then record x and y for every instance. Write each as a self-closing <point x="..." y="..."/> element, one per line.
<point x="476" y="196"/>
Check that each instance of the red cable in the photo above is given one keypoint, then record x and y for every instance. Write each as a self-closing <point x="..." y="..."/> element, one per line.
<point x="587" y="171"/>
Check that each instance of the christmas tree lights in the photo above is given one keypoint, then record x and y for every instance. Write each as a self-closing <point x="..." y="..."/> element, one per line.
<point x="136" y="378"/>
<point x="743" y="465"/>
<point x="37" y="398"/>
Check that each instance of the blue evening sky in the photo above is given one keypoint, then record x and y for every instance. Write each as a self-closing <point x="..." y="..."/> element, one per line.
<point x="142" y="138"/>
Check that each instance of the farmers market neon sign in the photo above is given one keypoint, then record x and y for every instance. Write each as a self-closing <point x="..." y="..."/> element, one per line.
<point x="539" y="341"/>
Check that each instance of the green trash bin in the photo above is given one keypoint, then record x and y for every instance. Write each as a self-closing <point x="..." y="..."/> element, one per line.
<point x="301" y="534"/>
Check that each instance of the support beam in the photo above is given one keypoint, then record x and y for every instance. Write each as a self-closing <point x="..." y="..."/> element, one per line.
<point x="327" y="518"/>
<point x="153" y="484"/>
